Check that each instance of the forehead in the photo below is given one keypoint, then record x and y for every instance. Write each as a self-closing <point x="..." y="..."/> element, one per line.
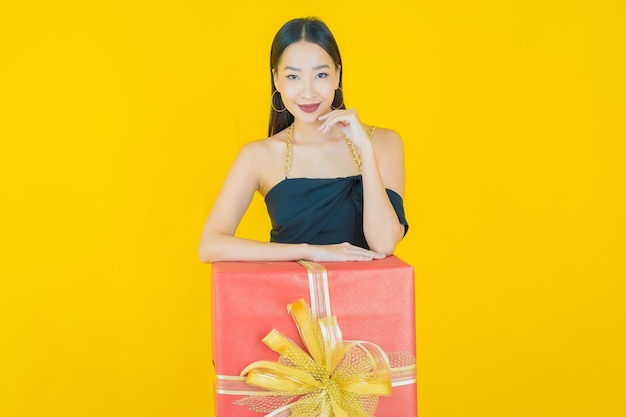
<point x="304" y="55"/>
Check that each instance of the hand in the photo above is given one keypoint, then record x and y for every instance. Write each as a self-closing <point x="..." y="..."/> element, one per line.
<point x="348" y="122"/>
<point x="342" y="252"/>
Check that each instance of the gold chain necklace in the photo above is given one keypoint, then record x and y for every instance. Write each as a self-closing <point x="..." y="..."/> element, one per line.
<point x="356" y="157"/>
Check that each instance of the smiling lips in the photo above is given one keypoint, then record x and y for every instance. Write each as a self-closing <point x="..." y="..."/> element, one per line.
<point x="308" y="108"/>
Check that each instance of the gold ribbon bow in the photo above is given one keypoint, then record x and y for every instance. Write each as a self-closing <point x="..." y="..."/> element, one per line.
<point x="335" y="378"/>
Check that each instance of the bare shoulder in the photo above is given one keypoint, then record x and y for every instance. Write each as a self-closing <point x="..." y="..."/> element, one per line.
<point x="257" y="151"/>
<point x="254" y="149"/>
<point x="266" y="145"/>
<point x="262" y="159"/>
<point x="387" y="140"/>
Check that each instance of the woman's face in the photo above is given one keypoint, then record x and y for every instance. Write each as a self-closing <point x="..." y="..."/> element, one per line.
<point x="306" y="78"/>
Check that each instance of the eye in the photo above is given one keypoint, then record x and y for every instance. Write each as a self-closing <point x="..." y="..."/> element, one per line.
<point x="292" y="77"/>
<point x="322" y="75"/>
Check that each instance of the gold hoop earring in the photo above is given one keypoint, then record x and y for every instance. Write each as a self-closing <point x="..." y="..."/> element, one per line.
<point x="272" y="103"/>
<point x="334" y="98"/>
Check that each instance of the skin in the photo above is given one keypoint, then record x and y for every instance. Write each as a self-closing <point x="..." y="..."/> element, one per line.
<point x="306" y="74"/>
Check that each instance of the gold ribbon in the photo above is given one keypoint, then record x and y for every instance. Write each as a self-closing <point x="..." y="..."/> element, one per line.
<point x="334" y="377"/>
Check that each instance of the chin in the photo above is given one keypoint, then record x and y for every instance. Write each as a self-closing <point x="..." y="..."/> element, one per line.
<point x="310" y="117"/>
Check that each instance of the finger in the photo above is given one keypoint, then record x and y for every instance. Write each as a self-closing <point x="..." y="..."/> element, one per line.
<point x="330" y="122"/>
<point x="364" y="253"/>
<point x="329" y="114"/>
<point x="362" y="258"/>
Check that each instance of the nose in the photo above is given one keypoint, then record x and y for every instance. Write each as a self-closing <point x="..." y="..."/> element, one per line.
<point x="307" y="89"/>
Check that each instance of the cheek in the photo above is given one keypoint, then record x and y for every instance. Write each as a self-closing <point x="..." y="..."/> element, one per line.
<point x="327" y="88"/>
<point x="289" y="90"/>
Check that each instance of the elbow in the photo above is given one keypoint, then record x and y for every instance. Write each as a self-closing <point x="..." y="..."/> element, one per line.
<point x="386" y="244"/>
<point x="216" y="247"/>
<point x="207" y="254"/>
<point x="205" y="257"/>
<point x="385" y="248"/>
<point x="212" y="247"/>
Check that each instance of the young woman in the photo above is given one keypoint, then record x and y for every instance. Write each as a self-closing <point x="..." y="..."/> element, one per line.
<point x="333" y="185"/>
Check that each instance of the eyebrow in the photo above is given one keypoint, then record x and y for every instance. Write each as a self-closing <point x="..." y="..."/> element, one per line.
<point x="319" y="67"/>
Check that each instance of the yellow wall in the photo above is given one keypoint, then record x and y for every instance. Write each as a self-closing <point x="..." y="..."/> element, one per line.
<point x="119" y="119"/>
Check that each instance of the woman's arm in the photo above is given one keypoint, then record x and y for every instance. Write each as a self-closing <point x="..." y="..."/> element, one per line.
<point x="218" y="242"/>
<point x="382" y="167"/>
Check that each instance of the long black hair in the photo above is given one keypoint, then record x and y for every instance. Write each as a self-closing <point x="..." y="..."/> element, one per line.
<point x="310" y="29"/>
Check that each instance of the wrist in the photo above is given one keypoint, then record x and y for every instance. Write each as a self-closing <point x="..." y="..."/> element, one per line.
<point x="304" y="251"/>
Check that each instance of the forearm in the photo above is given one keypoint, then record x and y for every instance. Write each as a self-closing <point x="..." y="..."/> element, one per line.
<point x="381" y="226"/>
<point x="219" y="247"/>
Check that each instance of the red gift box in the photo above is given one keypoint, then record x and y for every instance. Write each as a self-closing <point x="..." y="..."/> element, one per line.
<point x="372" y="301"/>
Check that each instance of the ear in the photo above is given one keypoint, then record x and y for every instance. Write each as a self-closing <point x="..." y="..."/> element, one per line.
<point x="338" y="74"/>
<point x="275" y="77"/>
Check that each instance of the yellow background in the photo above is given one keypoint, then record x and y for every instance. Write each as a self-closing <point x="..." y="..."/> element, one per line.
<point x="119" y="119"/>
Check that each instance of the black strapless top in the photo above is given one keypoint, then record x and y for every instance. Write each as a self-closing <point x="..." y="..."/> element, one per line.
<point x="321" y="211"/>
